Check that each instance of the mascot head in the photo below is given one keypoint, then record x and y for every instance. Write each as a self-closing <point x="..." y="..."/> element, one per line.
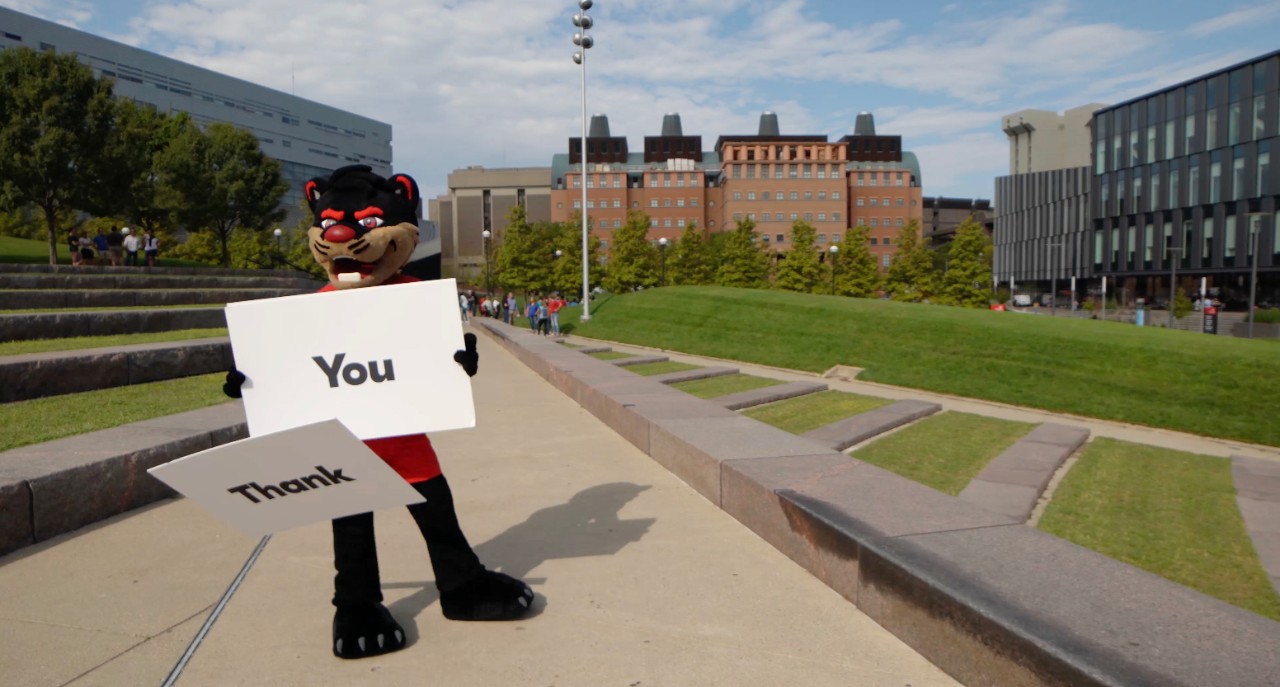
<point x="366" y="227"/>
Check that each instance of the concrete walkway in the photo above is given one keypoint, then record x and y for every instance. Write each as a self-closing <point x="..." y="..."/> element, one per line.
<point x="641" y="582"/>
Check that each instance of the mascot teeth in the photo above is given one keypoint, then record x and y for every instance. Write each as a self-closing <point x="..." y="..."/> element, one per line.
<point x="350" y="276"/>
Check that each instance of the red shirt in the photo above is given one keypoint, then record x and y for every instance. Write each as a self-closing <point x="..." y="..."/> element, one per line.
<point x="410" y="455"/>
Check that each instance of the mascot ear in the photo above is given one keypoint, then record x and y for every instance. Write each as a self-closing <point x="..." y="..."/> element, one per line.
<point x="314" y="189"/>
<point x="405" y="187"/>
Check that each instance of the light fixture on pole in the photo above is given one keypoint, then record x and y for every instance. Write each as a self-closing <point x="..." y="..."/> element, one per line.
<point x="835" y="250"/>
<point x="662" y="248"/>
<point x="1255" y="228"/>
<point x="584" y="42"/>
<point x="279" y="253"/>
<point x="488" y="275"/>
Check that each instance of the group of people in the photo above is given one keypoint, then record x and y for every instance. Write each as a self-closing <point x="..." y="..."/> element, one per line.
<point x="542" y="312"/>
<point x="119" y="246"/>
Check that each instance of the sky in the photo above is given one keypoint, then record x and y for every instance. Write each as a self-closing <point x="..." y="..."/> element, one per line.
<point x="492" y="82"/>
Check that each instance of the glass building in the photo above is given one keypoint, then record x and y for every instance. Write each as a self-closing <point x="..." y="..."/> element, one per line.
<point x="1182" y="182"/>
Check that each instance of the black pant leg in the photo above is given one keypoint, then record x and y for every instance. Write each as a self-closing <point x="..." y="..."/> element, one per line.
<point x="355" y="556"/>
<point x="452" y="558"/>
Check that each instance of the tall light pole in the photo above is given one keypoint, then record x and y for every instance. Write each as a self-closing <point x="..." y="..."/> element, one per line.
<point x="488" y="275"/>
<point x="1255" y="226"/>
<point x="276" y="258"/>
<point x="584" y="41"/>
<point x="1173" y="276"/>
<point x="662" y="249"/>
<point x="835" y="250"/>
<point x="1053" y="281"/>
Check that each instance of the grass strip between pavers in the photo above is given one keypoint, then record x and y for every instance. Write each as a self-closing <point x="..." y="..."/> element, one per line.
<point x="611" y="355"/>
<point x="650" y="369"/>
<point x="77" y="343"/>
<point x="714" y="387"/>
<point x="1168" y="512"/>
<point x="811" y="411"/>
<point x="944" y="451"/>
<point x="44" y="419"/>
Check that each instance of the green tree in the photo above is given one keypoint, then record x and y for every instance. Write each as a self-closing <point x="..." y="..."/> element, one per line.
<point x="967" y="282"/>
<point x="220" y="180"/>
<point x="633" y="261"/>
<point x="521" y="255"/>
<point x="742" y="263"/>
<point x="141" y="134"/>
<point x="856" y="271"/>
<point x="566" y="272"/>
<point x="55" y="119"/>
<point x="799" y="269"/>
<point x="690" y="261"/>
<point x="912" y="276"/>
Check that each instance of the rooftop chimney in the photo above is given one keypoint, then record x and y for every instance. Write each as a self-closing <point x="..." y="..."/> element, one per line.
<point x="599" y="126"/>
<point x="769" y="124"/>
<point x="671" y="125"/>
<point x="864" y="125"/>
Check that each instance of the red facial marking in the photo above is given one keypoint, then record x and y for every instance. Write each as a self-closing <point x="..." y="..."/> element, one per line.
<point x="370" y="211"/>
<point x="310" y="190"/>
<point x="333" y="214"/>
<point x="408" y="188"/>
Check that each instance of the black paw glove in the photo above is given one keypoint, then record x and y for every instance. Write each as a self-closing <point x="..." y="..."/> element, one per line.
<point x="235" y="379"/>
<point x="468" y="359"/>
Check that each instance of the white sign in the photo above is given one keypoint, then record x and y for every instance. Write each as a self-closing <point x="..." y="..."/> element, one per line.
<point x="296" y="477"/>
<point x="379" y="359"/>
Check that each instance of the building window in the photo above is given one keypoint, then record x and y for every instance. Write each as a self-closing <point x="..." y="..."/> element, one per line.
<point x="1237" y="173"/>
<point x="795" y="216"/>
<point x="1259" y="113"/>
<point x="737" y="195"/>
<point x="808" y="216"/>
<point x="617" y="202"/>
<point x="577" y="182"/>
<point x="835" y="195"/>
<point x="822" y="238"/>
<point x="653" y="202"/>
<point x="617" y="223"/>
<point x="679" y="202"/>
<point x="885" y="260"/>
<point x="875" y="202"/>
<point x="765" y="217"/>
<point x="791" y="171"/>
<point x="897" y="221"/>
<point x="1215" y="176"/>
<point x="781" y="237"/>
<point x="835" y="238"/>
<point x="860" y="202"/>
<point x="873" y="240"/>
<point x="822" y="216"/>
<point x="822" y="195"/>
<point x="795" y="196"/>
<point x="751" y="195"/>
<point x="1229" y="242"/>
<point x="666" y="202"/>
<point x="1211" y="128"/>
<point x="807" y="171"/>
<point x="835" y="217"/>
<point x="653" y="223"/>
<point x="1169" y="136"/>
<point x="808" y="195"/>
<point x="873" y="222"/>
<point x="666" y="222"/>
<point x="897" y="181"/>
<point x="860" y="180"/>
<point x="577" y="205"/>
<point x="1263" y="182"/>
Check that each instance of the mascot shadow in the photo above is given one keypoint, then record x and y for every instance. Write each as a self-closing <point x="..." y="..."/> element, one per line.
<point x="587" y="525"/>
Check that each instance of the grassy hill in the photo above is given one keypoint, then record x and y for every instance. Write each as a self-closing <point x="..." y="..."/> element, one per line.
<point x="16" y="250"/>
<point x="1206" y="385"/>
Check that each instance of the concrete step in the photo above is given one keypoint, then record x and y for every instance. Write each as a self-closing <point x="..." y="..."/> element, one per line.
<point x="27" y="268"/>
<point x="58" y="325"/>
<point x="128" y="298"/>
<point x="1012" y="483"/>
<point x="690" y="375"/>
<point x="640" y="360"/>
<point x="141" y="279"/>
<point x="769" y="394"/>
<point x="36" y="375"/>
<point x="857" y="429"/>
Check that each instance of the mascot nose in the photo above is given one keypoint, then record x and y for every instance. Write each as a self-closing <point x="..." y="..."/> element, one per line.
<point x="339" y="233"/>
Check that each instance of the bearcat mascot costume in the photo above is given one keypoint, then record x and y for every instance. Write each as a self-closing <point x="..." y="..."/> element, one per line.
<point x="365" y="230"/>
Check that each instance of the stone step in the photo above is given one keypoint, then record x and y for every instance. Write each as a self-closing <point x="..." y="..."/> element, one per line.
<point x="30" y="268"/>
<point x="58" y="325"/>
<point x="128" y="298"/>
<point x="588" y="350"/>
<point x="857" y="429"/>
<point x="37" y="375"/>
<point x="1013" y="482"/>
<point x="139" y="279"/>
<point x="769" y="394"/>
<point x="690" y="375"/>
<point x="640" y="360"/>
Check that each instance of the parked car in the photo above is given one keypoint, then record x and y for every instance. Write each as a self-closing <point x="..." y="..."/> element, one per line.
<point x="1022" y="300"/>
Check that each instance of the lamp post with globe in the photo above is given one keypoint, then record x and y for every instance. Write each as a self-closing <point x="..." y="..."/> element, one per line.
<point x="583" y="21"/>
<point x="835" y="250"/>
<point x="662" y="249"/>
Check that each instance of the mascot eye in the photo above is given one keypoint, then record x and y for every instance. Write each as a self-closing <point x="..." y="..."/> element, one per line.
<point x="326" y="223"/>
<point x="371" y="222"/>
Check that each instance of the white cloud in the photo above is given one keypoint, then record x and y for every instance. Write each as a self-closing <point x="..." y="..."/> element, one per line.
<point x="965" y="165"/>
<point x="1235" y="19"/>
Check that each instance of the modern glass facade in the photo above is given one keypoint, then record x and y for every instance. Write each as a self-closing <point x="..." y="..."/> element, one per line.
<point x="1182" y="178"/>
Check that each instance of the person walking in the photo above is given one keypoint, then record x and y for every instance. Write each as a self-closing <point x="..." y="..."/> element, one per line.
<point x="513" y="308"/>
<point x="86" y="249"/>
<point x="465" y="305"/>
<point x="475" y="302"/>
<point x="553" y="307"/>
<point x="131" y="245"/>
<point x="115" y="246"/>
<point x="544" y="318"/>
<point x="73" y="247"/>
<point x="532" y="313"/>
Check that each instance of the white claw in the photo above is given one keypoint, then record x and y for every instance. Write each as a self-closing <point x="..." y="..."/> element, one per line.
<point x="360" y="641"/>
<point x="382" y="641"/>
<point x="524" y="602"/>
<point x="399" y="636"/>
<point x="337" y="646"/>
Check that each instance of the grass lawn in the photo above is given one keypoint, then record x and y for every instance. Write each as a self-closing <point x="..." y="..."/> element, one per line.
<point x="944" y="451"/>
<point x="29" y="251"/>
<point x="1168" y="512"/>
<point x="650" y="369"/>
<point x="724" y="385"/>
<point x="610" y="355"/>
<point x="46" y="419"/>
<point x="85" y="342"/>
<point x="811" y="411"/>
<point x="1207" y="385"/>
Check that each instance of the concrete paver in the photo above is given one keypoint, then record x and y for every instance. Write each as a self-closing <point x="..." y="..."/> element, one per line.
<point x="641" y="581"/>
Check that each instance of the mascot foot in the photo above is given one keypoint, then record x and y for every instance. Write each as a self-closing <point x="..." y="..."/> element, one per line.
<point x="489" y="596"/>
<point x="365" y="630"/>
